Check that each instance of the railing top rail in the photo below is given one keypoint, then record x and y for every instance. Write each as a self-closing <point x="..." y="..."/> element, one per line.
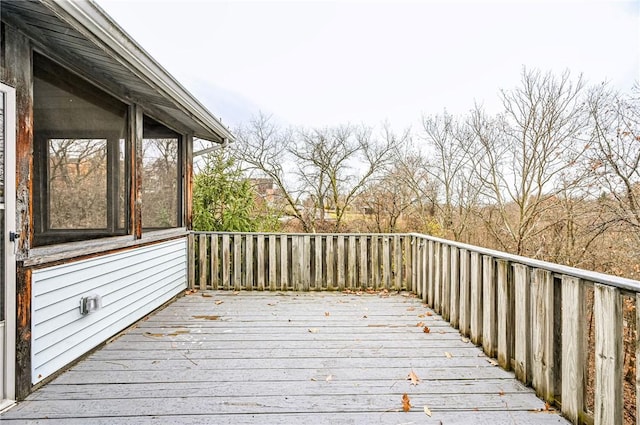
<point x="198" y="232"/>
<point x="618" y="282"/>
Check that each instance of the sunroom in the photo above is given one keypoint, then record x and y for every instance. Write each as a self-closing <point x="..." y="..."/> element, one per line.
<point x="101" y="138"/>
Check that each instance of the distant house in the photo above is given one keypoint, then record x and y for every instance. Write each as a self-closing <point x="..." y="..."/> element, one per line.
<point x="95" y="185"/>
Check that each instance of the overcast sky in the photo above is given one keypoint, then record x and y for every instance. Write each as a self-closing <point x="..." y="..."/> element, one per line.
<point x="328" y="63"/>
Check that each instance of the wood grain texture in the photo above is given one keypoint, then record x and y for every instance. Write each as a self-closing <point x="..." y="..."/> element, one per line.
<point x="505" y="313"/>
<point x="279" y="358"/>
<point x="475" y="305"/>
<point x="609" y="355"/>
<point x="522" y="308"/>
<point x="573" y="347"/>
<point x="542" y="322"/>
<point x="465" y="292"/>
<point x="489" y="306"/>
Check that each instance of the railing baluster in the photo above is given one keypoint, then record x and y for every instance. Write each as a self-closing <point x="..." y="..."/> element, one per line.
<point x="476" y="298"/>
<point x="409" y="282"/>
<point x="454" y="287"/>
<point x="522" y="344"/>
<point x="237" y="262"/>
<point x="397" y="263"/>
<point x="284" y="262"/>
<point x="504" y="313"/>
<point x="446" y="282"/>
<point x="226" y="262"/>
<point x="260" y="263"/>
<point x="465" y="292"/>
<point x="340" y="262"/>
<point x="318" y="281"/>
<point x="386" y="263"/>
<point x="542" y="333"/>
<point x="489" y="307"/>
<point x="364" y="260"/>
<point x="214" y="262"/>
<point x="609" y="355"/>
<point x="573" y="348"/>
<point x="352" y="263"/>
<point x="248" y="262"/>
<point x="330" y="263"/>
<point x="375" y="264"/>
<point x="437" y="277"/>
<point x="202" y="262"/>
<point x="305" y="262"/>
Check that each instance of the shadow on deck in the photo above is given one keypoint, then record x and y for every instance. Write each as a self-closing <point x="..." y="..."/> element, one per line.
<point x="264" y="358"/>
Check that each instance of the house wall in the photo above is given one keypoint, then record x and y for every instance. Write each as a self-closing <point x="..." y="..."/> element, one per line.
<point x="131" y="284"/>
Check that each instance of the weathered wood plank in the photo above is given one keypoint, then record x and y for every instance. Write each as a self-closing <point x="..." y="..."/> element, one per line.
<point x="260" y="263"/>
<point x="424" y="264"/>
<point x="454" y="294"/>
<point x="352" y="263"/>
<point x="318" y="275"/>
<point x="504" y="314"/>
<point x="340" y="263"/>
<point x="364" y="262"/>
<point x="397" y="262"/>
<point x="237" y="261"/>
<point x="192" y="260"/>
<point x="386" y="263"/>
<point x="214" y="272"/>
<point x="446" y="282"/>
<point x="476" y="298"/>
<point x="465" y="292"/>
<point x="542" y="334"/>
<point x="489" y="307"/>
<point x="609" y="355"/>
<point x="226" y="262"/>
<point x="273" y="263"/>
<point x="202" y="262"/>
<point x="522" y="331"/>
<point x="330" y="263"/>
<point x="296" y="262"/>
<point x="430" y="274"/>
<point x="375" y="263"/>
<point x="437" y="277"/>
<point x="305" y="262"/>
<point x="249" y="263"/>
<point x="573" y="348"/>
<point x="284" y="262"/>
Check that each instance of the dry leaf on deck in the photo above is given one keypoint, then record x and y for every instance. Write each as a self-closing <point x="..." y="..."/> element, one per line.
<point x="420" y="324"/>
<point x="206" y="317"/>
<point x="218" y="302"/>
<point x="421" y="316"/>
<point x="429" y="313"/>
<point x="329" y="378"/>
<point x="493" y="362"/>
<point x="313" y="330"/>
<point x="411" y="309"/>
<point x="406" y="402"/>
<point x="448" y="354"/>
<point x="236" y="292"/>
<point x="327" y="314"/>
<point x="427" y="411"/>
<point x="426" y="329"/>
<point x="413" y="378"/>
<point x="204" y="294"/>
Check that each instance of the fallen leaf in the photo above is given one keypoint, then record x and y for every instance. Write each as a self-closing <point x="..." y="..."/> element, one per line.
<point x="236" y="292"/>
<point x="421" y="316"/>
<point x="429" y="313"/>
<point x="448" y="354"/>
<point x="190" y="291"/>
<point x="204" y="294"/>
<point x="411" y="309"/>
<point x="313" y="330"/>
<point x="493" y="362"/>
<point x="329" y="378"/>
<point x="501" y="393"/>
<point x="413" y="378"/>
<point x="426" y="329"/>
<point x="205" y="317"/>
<point x="427" y="411"/>
<point x="218" y="302"/>
<point x="327" y="314"/>
<point x="153" y="335"/>
<point x="364" y="317"/>
<point x="406" y="402"/>
<point x="464" y="339"/>
<point x="313" y="379"/>
<point x="420" y="324"/>
<point x="270" y="304"/>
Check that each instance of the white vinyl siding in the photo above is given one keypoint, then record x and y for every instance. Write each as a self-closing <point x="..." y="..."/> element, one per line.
<point x="131" y="283"/>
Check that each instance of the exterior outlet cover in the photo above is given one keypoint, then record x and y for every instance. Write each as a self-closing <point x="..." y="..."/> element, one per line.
<point x="90" y="303"/>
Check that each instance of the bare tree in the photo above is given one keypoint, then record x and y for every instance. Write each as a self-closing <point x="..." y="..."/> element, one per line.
<point x="526" y="151"/>
<point x="317" y="170"/>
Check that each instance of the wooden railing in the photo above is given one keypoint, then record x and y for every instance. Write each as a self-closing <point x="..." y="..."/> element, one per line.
<point x="532" y="316"/>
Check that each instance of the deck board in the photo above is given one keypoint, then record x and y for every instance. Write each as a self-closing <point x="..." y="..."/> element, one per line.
<point x="281" y="358"/>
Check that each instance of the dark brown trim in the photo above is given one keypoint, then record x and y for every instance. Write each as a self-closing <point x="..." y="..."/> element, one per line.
<point x="23" y="333"/>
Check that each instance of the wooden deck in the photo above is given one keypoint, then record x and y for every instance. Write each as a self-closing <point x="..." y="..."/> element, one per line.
<point x="286" y="358"/>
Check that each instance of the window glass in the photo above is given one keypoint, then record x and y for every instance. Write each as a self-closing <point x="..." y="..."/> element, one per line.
<point x="161" y="182"/>
<point x="79" y="157"/>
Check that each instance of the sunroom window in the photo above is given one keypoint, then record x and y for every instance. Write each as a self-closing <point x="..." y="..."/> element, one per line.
<point x="161" y="176"/>
<point x="80" y="158"/>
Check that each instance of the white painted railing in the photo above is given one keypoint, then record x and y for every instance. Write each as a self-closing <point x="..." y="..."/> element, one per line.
<point x="532" y="316"/>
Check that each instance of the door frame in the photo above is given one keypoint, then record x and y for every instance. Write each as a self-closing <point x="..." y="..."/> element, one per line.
<point x="8" y="340"/>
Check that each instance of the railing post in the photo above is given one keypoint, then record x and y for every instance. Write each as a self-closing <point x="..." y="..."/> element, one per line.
<point x="202" y="262"/>
<point x="226" y="262"/>
<point x="430" y="273"/>
<point x="476" y="298"/>
<point x="424" y="264"/>
<point x="340" y="262"/>
<point x="248" y="262"/>
<point x="305" y="262"/>
<point x="260" y="266"/>
<point x="364" y="259"/>
<point x="465" y="292"/>
<point x="446" y="282"/>
<point x="237" y="261"/>
<point x="375" y="262"/>
<point x="505" y="314"/>
<point x="318" y="281"/>
<point x="284" y="264"/>
<point x="522" y="332"/>
<point x="214" y="274"/>
<point x="409" y="281"/>
<point x="330" y="262"/>
<point x="397" y="266"/>
<point x="352" y="263"/>
<point x="609" y="355"/>
<point x="542" y="334"/>
<point x="489" y="307"/>
<point x="386" y="263"/>
<point x="454" y="294"/>
<point x="191" y="260"/>
<point x="295" y="262"/>
<point x="573" y="348"/>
